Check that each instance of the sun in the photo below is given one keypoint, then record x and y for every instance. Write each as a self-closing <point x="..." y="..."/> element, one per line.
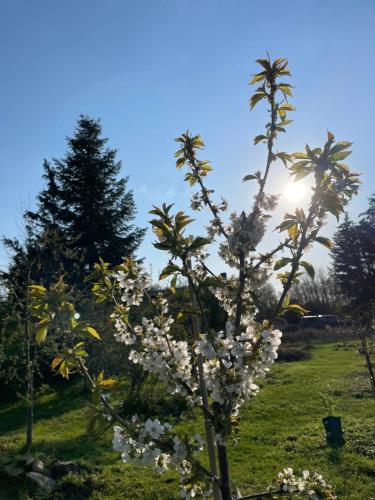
<point x="294" y="191"/>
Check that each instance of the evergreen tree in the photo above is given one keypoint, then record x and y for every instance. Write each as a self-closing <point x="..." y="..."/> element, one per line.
<point x="83" y="213"/>
<point x="354" y="261"/>
<point x="366" y="231"/>
<point x="85" y="206"/>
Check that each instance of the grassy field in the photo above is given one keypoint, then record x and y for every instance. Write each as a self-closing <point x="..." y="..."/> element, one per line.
<point x="281" y="427"/>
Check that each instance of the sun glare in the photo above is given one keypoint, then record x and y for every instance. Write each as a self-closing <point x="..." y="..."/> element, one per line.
<point x="294" y="191"/>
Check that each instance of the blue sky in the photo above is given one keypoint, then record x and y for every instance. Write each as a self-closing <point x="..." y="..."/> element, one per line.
<point x="152" y="69"/>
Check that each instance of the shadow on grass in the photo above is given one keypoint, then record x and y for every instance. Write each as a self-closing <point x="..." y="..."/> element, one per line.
<point x="334" y="454"/>
<point x="48" y="406"/>
<point x="93" y="449"/>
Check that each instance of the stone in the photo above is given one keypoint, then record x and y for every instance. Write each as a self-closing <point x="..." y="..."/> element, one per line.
<point x="61" y="468"/>
<point x="37" y="466"/>
<point x="44" y="482"/>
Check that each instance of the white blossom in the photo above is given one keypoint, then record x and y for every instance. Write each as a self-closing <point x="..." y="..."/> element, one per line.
<point x="311" y="486"/>
<point x="132" y="288"/>
<point x="154" y="444"/>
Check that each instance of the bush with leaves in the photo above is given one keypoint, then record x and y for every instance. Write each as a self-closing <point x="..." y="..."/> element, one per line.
<point x="217" y="371"/>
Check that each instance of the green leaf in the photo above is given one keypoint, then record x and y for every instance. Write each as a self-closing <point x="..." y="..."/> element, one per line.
<point x="255" y="98"/>
<point x="198" y="242"/>
<point x="300" y="164"/>
<point x="41" y="334"/>
<point x="281" y="263"/>
<point x="308" y="268"/>
<point x="91" y="330"/>
<point x="172" y="285"/>
<point x="286" y="224"/>
<point x="280" y="60"/>
<point x="259" y="138"/>
<point x="168" y="270"/>
<point x="286" y="106"/>
<point x="38" y="288"/>
<point x="284" y="157"/>
<point x="56" y="361"/>
<point x="265" y="63"/>
<point x="249" y="177"/>
<point x="325" y="242"/>
<point x="162" y="245"/>
<point x="286" y="302"/>
<point x="297" y="309"/>
<point x="300" y="155"/>
<point x="340" y="146"/>
<point x="286" y="88"/>
<point x="182" y="222"/>
<point x="180" y="162"/>
<point x="64" y="370"/>
<point x="341" y="155"/>
<point x="293" y="231"/>
<point x="286" y="121"/>
<point x="37" y="291"/>
<point x="301" y="175"/>
<point x="258" y="77"/>
<point x="109" y="382"/>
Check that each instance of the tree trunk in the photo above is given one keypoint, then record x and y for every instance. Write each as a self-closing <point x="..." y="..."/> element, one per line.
<point x="210" y="439"/>
<point x="224" y="472"/>
<point x="29" y="373"/>
<point x="30" y="406"/>
<point x="368" y="361"/>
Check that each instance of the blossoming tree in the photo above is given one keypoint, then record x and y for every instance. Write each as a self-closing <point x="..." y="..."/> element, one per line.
<point x="215" y="371"/>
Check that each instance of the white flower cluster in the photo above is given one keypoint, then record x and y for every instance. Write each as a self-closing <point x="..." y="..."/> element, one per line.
<point x="124" y="335"/>
<point x="189" y="489"/>
<point x="214" y="228"/>
<point x="198" y="200"/>
<point x="227" y="296"/>
<point x="132" y="288"/>
<point x="143" y="450"/>
<point x="132" y="283"/>
<point x="244" y="234"/>
<point x="153" y="443"/>
<point x="267" y="202"/>
<point x="160" y="354"/>
<point x="312" y="486"/>
<point x="233" y="363"/>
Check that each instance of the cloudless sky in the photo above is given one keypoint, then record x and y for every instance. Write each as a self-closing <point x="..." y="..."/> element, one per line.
<point x="152" y="69"/>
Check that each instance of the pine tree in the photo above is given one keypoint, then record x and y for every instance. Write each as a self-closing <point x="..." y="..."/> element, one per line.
<point x="85" y="206"/>
<point x="83" y="213"/>
<point x="354" y="261"/>
<point x="366" y="231"/>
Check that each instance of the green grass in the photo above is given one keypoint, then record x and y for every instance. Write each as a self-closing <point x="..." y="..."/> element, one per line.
<point x="280" y="427"/>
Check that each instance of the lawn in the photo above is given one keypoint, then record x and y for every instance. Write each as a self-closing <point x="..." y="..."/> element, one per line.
<point x="281" y="427"/>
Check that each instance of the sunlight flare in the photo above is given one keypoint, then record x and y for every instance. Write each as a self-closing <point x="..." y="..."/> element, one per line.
<point x="295" y="191"/>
